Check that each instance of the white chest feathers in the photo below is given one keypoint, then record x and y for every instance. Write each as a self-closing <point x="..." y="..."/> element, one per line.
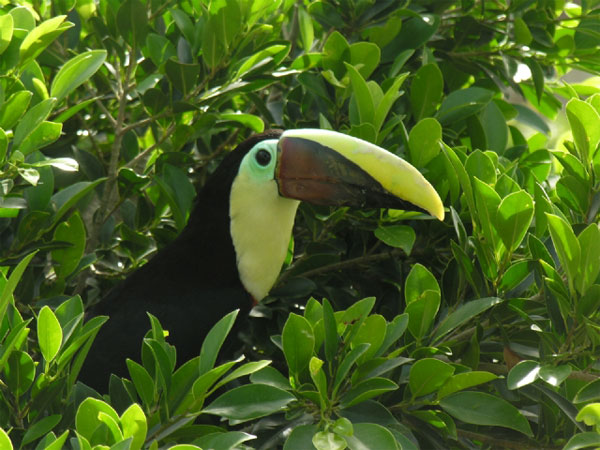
<point x="261" y="227"/>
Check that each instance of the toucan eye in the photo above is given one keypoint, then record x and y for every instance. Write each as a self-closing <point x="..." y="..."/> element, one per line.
<point x="263" y="157"/>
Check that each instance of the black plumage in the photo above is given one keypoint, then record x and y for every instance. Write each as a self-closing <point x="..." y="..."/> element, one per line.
<point x="189" y="285"/>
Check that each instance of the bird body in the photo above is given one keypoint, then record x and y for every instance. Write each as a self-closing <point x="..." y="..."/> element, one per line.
<point x="237" y="236"/>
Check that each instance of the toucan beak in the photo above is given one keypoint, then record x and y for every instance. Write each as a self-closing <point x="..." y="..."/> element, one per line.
<point x="328" y="168"/>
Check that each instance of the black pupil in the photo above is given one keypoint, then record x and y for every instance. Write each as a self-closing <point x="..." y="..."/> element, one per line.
<point x="263" y="157"/>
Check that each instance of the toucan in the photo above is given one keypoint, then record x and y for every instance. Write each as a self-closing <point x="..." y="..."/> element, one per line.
<point x="231" y="251"/>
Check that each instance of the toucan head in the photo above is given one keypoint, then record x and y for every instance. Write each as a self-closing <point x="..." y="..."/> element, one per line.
<point x="320" y="167"/>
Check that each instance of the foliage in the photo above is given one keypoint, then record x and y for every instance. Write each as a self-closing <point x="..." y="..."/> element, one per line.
<point x="485" y="327"/>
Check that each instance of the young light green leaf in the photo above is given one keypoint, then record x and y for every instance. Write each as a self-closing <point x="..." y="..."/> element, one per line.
<point x="49" y="334"/>
<point x="5" y="440"/>
<point x="589" y="243"/>
<point x="32" y="119"/>
<point x="134" y="425"/>
<point x="422" y="312"/>
<point x="75" y="72"/>
<point x="566" y="245"/>
<point x="11" y="284"/>
<point x="86" y="418"/>
<point x="585" y="126"/>
<point x="6" y="31"/>
<point x="16" y="105"/>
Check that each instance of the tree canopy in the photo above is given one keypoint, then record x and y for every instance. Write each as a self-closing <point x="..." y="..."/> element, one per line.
<point x="387" y="329"/>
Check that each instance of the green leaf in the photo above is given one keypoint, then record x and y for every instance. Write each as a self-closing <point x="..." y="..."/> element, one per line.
<point x="419" y="280"/>
<point x="41" y="37"/>
<point x="585" y="126"/>
<point x="133" y="422"/>
<point x="371" y="332"/>
<point x="371" y="436"/>
<point x="365" y="390"/>
<point x="301" y="438"/>
<point x="566" y="245"/>
<point x="325" y="440"/>
<point x="424" y="141"/>
<point x="522" y="33"/>
<point x="590" y="415"/>
<point x="66" y="198"/>
<point x="589" y="243"/>
<point x="249" y="401"/>
<point x="427" y="375"/>
<point x="383" y="107"/>
<point x="71" y="232"/>
<point x="298" y="342"/>
<point x="20" y="372"/>
<point x="75" y="72"/>
<point x="479" y="408"/>
<point x="588" y="393"/>
<point x="132" y="22"/>
<point x="6" y="31"/>
<point x="40" y="428"/>
<point x="143" y="382"/>
<point x="513" y="218"/>
<point x="426" y="91"/>
<point x="398" y="236"/>
<point x="251" y="121"/>
<point x="307" y="33"/>
<point x="11" y="284"/>
<point x="49" y="334"/>
<point x="183" y="76"/>
<point x="362" y="95"/>
<point x="422" y="313"/>
<point x="16" y="105"/>
<point x="555" y="375"/>
<point x="214" y="340"/>
<point x="481" y="166"/>
<point x="160" y="49"/>
<point x="463" y="314"/>
<point x="583" y="440"/>
<point x="223" y="24"/>
<point x="346" y="364"/>
<point x="524" y="373"/>
<point x="331" y="337"/>
<point x="459" y="105"/>
<point x="178" y="190"/>
<point x="86" y="419"/>
<point x="32" y="119"/>
<point x="465" y="380"/>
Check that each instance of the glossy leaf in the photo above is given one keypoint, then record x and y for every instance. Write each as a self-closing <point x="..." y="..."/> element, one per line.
<point x="462" y="381"/>
<point x="566" y="245"/>
<point x="49" y="333"/>
<point x="249" y="401"/>
<point x="298" y="342"/>
<point x="524" y="373"/>
<point x="513" y="218"/>
<point x="369" y="436"/>
<point x="427" y="375"/>
<point x="479" y="408"/>
<point x="463" y="314"/>
<point x="75" y="72"/>
<point x="214" y="340"/>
